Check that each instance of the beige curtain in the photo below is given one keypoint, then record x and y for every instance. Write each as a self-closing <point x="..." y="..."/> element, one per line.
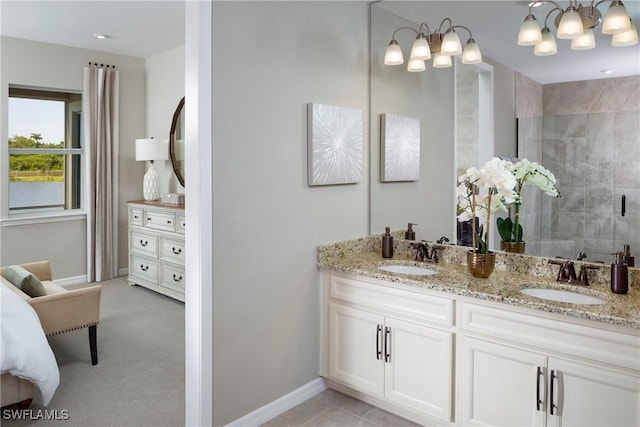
<point x="100" y="124"/>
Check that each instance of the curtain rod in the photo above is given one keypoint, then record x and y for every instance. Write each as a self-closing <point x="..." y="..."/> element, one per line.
<point x="101" y="65"/>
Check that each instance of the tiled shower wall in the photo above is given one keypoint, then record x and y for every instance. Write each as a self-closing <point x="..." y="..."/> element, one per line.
<point x="467" y="118"/>
<point x="591" y="141"/>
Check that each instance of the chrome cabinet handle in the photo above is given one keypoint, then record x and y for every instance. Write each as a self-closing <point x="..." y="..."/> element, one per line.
<point x="178" y="279"/>
<point x="378" y="342"/>
<point x="144" y="243"/>
<point x="552" y="404"/>
<point x="387" y="345"/>
<point x="143" y="268"/>
<point x="178" y="252"/>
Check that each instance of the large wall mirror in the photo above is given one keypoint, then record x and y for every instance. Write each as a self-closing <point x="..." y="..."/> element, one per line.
<point x="176" y="142"/>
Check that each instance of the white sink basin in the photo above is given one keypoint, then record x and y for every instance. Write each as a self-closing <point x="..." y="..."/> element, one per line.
<point x="408" y="269"/>
<point x="562" y="296"/>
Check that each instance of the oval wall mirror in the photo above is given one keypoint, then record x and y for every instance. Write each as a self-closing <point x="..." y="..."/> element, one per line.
<point x="176" y="142"/>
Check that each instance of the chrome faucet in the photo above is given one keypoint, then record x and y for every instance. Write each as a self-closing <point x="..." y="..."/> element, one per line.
<point x="567" y="272"/>
<point x="422" y="252"/>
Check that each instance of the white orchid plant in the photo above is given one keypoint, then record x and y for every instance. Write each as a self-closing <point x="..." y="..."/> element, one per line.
<point x="481" y="192"/>
<point x="525" y="173"/>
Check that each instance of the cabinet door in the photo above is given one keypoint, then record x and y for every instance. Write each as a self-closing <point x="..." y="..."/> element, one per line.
<point x="591" y="396"/>
<point x="356" y="348"/>
<point x="499" y="385"/>
<point x="418" y="373"/>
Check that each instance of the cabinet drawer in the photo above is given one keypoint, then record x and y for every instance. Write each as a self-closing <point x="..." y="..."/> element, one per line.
<point x="160" y="220"/>
<point x="172" y="250"/>
<point x="143" y="243"/>
<point x="144" y="268"/>
<point x="172" y="277"/>
<point x="416" y="305"/>
<point x="135" y="216"/>
<point x="181" y="224"/>
<point x="578" y="340"/>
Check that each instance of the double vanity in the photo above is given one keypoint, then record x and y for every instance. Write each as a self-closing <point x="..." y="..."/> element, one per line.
<point x="431" y="343"/>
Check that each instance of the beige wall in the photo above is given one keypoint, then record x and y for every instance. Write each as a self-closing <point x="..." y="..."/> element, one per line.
<point x="44" y="65"/>
<point x="269" y="60"/>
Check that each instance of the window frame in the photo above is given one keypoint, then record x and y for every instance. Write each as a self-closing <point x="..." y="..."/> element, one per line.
<point x="74" y="179"/>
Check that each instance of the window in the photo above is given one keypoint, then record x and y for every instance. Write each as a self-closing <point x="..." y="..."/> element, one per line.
<point x="45" y="150"/>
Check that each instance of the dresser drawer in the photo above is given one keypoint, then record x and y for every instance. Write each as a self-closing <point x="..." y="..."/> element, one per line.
<point x="135" y="216"/>
<point x="172" y="250"/>
<point x="144" y="268"/>
<point x="181" y="224"/>
<point x="143" y="243"/>
<point x="160" y="220"/>
<point x="172" y="277"/>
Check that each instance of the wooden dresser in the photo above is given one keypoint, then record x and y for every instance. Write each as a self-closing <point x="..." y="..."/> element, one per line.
<point x="156" y="247"/>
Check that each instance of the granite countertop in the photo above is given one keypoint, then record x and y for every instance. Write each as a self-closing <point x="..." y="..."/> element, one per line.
<point x="513" y="273"/>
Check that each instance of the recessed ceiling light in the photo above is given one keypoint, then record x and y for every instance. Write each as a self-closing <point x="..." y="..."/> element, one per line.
<point x="606" y="71"/>
<point x="101" y="36"/>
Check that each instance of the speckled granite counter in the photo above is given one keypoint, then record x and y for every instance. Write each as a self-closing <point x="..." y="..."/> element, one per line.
<point x="513" y="272"/>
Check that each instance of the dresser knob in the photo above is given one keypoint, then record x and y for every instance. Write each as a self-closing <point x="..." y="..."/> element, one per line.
<point x="178" y="279"/>
<point x="178" y="252"/>
<point x="143" y="268"/>
<point x="143" y="243"/>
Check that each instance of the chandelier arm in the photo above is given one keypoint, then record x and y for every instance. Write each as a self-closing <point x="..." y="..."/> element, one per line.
<point x="393" y="36"/>
<point x="462" y="26"/>
<point x="428" y="29"/>
<point x="443" y="21"/>
<point x="548" y="1"/>
<point x="548" y="14"/>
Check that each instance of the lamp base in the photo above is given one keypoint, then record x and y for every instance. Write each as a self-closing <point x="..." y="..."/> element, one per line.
<point x="151" y="184"/>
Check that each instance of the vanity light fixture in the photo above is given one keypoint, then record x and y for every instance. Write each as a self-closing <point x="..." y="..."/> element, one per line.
<point x="576" y="23"/>
<point x="442" y="45"/>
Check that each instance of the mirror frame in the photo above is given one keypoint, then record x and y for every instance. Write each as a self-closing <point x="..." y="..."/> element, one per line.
<point x="172" y="142"/>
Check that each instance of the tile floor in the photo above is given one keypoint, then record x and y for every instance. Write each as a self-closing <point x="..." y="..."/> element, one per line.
<point x="332" y="408"/>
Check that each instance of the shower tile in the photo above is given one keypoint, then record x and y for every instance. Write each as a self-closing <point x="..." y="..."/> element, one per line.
<point x="599" y="200"/>
<point x="626" y="174"/>
<point x="600" y="137"/>
<point x="564" y="98"/>
<point x="614" y="94"/>
<point x="599" y="175"/>
<point x="568" y="224"/>
<point x="598" y="226"/>
<point x="632" y="201"/>
<point x="572" y="149"/>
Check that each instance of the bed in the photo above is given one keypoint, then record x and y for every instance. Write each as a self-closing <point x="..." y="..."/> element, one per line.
<point x="25" y="353"/>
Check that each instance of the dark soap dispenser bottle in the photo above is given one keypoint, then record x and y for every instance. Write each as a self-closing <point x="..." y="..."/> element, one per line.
<point x="410" y="234"/>
<point x="619" y="276"/>
<point x="387" y="243"/>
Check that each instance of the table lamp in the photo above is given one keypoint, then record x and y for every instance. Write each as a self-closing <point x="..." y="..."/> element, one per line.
<point x="151" y="149"/>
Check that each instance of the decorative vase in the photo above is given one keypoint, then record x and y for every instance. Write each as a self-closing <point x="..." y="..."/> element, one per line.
<point x="513" y="247"/>
<point x="481" y="265"/>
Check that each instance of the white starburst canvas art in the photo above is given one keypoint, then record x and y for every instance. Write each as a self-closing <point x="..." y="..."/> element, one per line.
<point x="334" y="145"/>
<point x="399" y="148"/>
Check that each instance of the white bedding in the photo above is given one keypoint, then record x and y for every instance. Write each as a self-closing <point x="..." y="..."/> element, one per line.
<point x="24" y="349"/>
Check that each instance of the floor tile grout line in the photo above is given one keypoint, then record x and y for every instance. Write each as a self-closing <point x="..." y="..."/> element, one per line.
<point x="315" y="416"/>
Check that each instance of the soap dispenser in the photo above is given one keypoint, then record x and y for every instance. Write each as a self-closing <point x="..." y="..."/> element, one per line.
<point x="387" y="243"/>
<point x="619" y="275"/>
<point x="627" y="258"/>
<point x="410" y="234"/>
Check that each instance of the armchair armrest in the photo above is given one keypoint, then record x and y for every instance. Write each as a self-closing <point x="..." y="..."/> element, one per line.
<point x="68" y="310"/>
<point x="40" y="269"/>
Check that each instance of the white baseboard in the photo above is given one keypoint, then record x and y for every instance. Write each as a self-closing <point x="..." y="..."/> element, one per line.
<point x="123" y="272"/>
<point x="281" y="405"/>
<point x="69" y="281"/>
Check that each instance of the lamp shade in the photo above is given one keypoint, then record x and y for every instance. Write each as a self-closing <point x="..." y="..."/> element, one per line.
<point x="530" y="33"/>
<point x="152" y="149"/>
<point x="584" y="42"/>
<point x="441" y="61"/>
<point x="415" y="65"/>
<point x="420" y="48"/>
<point x="393" y="54"/>
<point x="471" y="53"/>
<point x="570" y="24"/>
<point x="451" y="44"/>
<point x="547" y="46"/>
<point x="625" y="38"/>
<point x="616" y="19"/>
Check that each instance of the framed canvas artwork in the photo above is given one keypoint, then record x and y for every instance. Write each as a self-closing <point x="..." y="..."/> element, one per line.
<point x="399" y="148"/>
<point x="334" y="140"/>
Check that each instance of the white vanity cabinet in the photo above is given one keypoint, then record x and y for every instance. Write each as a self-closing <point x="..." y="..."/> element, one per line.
<point x="391" y="344"/>
<point x="156" y="247"/>
<point x="519" y="369"/>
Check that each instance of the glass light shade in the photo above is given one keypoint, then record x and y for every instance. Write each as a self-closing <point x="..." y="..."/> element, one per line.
<point x="616" y="19"/>
<point x="393" y="54"/>
<point x="548" y="44"/>
<point x="530" y="33"/>
<point x="570" y="24"/>
<point x="415" y="65"/>
<point x="420" y="48"/>
<point x="471" y="53"/>
<point x="441" y="61"/>
<point x="451" y="44"/>
<point x="626" y="38"/>
<point x="584" y="42"/>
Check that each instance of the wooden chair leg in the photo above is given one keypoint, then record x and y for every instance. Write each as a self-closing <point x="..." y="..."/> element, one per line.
<point x="93" y="345"/>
